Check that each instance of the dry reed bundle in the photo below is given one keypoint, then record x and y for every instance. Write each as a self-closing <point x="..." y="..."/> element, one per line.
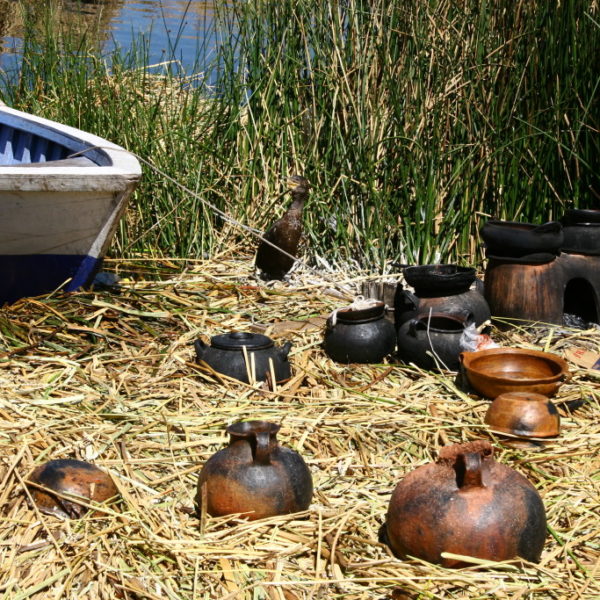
<point x="110" y="378"/>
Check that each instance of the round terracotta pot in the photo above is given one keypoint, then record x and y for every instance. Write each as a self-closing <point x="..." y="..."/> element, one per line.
<point x="71" y="477"/>
<point x="466" y="503"/>
<point x="496" y="371"/>
<point x="523" y="414"/>
<point x="254" y="476"/>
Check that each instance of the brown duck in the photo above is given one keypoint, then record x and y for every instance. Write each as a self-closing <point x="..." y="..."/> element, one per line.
<point x="285" y="233"/>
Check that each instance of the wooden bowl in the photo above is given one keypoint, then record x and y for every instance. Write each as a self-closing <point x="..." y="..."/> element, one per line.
<point x="499" y="370"/>
<point x="523" y="414"/>
<point x="72" y="480"/>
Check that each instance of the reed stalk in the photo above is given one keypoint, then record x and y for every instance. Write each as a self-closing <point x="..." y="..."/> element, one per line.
<point x="414" y="121"/>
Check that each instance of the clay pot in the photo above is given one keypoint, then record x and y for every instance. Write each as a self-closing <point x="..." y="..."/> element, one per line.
<point x="439" y="280"/>
<point x="359" y="335"/>
<point x="574" y="216"/>
<point x="510" y="238"/>
<point x="226" y="356"/>
<point x="499" y="370"/>
<point x="440" y="288"/>
<point x="72" y="478"/>
<point x="523" y="414"/>
<point x="437" y="334"/>
<point x="254" y="475"/>
<point x="582" y="238"/>
<point x="466" y="503"/>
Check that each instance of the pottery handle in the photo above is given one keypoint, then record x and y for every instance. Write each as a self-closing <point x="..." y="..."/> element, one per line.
<point x="472" y="476"/>
<point x="200" y="348"/>
<point x="285" y="350"/>
<point x="469" y="318"/>
<point x="412" y="299"/>
<point x="413" y="324"/>
<point x="262" y="454"/>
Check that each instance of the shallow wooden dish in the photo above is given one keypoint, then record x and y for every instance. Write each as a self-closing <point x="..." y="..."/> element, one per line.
<point x="523" y="414"/>
<point x="500" y="370"/>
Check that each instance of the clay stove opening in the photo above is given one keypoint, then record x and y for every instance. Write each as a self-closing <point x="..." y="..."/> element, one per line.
<point x="580" y="300"/>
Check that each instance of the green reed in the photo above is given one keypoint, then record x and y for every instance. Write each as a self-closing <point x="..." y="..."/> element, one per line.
<point x="414" y="122"/>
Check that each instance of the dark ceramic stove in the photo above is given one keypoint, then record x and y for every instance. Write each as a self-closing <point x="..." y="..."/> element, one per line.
<point x="549" y="286"/>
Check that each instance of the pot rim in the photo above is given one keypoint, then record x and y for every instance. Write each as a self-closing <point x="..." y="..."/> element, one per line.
<point x="348" y="314"/>
<point x="552" y="226"/>
<point x="543" y="258"/>
<point x="467" y="359"/>
<point x="249" y="428"/>
<point x="236" y="340"/>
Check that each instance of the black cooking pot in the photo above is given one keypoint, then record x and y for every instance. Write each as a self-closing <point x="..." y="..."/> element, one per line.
<point x="359" y="335"/>
<point x="433" y="340"/>
<point x="583" y="238"/>
<point x="510" y="238"/>
<point x="574" y="216"/>
<point x="239" y="353"/>
<point x="439" y="280"/>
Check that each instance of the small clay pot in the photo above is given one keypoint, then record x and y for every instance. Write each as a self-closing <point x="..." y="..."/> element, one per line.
<point x="523" y="414"/>
<point x="227" y="356"/>
<point x="466" y="503"/>
<point x="72" y="478"/>
<point x="433" y="340"/>
<point x="359" y="335"/>
<point x="496" y="371"/>
<point x="439" y="280"/>
<point x="254" y="476"/>
<point x="511" y="238"/>
<point x="574" y="216"/>
<point x="582" y="238"/>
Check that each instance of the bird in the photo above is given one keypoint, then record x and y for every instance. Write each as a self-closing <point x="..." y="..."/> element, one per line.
<point x="285" y="233"/>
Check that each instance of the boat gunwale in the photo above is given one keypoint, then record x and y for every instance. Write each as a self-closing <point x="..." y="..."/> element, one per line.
<point x="124" y="171"/>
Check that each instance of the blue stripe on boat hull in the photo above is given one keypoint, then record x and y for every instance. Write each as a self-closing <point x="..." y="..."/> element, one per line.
<point x="32" y="275"/>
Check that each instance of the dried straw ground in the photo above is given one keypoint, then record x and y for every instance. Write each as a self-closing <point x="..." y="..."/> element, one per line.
<point x="110" y="378"/>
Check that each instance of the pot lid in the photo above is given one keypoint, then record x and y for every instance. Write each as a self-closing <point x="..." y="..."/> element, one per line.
<point x="236" y="340"/>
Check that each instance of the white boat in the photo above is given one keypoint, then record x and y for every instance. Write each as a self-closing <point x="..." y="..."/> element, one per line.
<point x="62" y="193"/>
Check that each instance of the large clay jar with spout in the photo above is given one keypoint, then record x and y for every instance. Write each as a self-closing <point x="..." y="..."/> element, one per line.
<point x="468" y="504"/>
<point x="254" y="475"/>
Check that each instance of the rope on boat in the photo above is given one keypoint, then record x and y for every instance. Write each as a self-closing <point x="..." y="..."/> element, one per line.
<point x="228" y="218"/>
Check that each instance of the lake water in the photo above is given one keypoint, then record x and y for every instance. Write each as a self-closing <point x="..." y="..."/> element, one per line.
<point x="175" y="29"/>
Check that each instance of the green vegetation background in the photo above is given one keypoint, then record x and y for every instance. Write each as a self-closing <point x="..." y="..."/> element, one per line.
<point x="414" y="121"/>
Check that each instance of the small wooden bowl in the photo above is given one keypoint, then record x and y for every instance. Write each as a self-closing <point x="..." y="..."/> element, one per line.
<point x="499" y="370"/>
<point x="72" y="480"/>
<point x="523" y="414"/>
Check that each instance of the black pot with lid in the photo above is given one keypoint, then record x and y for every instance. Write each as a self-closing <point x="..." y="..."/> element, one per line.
<point x="245" y="356"/>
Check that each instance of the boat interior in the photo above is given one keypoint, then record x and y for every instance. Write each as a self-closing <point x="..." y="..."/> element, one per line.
<point x="28" y="143"/>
